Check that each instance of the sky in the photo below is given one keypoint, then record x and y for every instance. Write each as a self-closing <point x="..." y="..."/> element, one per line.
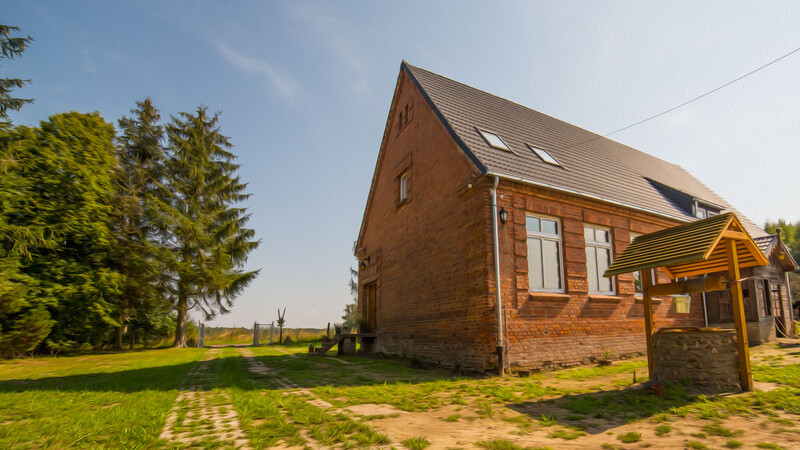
<point x="304" y="89"/>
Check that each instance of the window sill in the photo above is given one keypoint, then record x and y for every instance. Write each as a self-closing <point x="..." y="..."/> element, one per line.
<point x="602" y="298"/>
<point x="557" y="296"/>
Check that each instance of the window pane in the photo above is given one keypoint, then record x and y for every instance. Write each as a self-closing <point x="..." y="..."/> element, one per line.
<point x="588" y="233"/>
<point x="403" y="187"/>
<point x="552" y="268"/>
<point x="637" y="282"/>
<point x="494" y="140"/>
<point x="535" y="263"/>
<point x="591" y="268"/>
<point x="603" y="261"/>
<point x="601" y="235"/>
<point x="532" y="224"/>
<point x="549" y="226"/>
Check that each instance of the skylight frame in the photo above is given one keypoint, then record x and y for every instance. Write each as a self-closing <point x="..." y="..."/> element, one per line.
<point x="500" y="144"/>
<point x="544" y="155"/>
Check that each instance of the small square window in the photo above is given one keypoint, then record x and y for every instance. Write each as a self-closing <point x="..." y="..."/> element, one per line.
<point x="494" y="140"/>
<point x="544" y="155"/>
<point x="404" y="187"/>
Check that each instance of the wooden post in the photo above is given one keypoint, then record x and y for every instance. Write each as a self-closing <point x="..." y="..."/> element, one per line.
<point x="647" y="283"/>
<point x="738" y="316"/>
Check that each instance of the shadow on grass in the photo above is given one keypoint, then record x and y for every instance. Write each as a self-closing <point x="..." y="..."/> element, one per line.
<point x="231" y="371"/>
<point x="597" y="412"/>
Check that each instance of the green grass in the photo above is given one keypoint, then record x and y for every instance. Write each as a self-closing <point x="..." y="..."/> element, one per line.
<point x="663" y="429"/>
<point x="630" y="437"/>
<point x="123" y="399"/>
<point x="769" y="445"/>
<point x="416" y="443"/>
<point x="585" y="373"/>
<point x="718" y="430"/>
<point x="566" y="433"/>
<point x="733" y="443"/>
<point x="505" y="444"/>
<point x="101" y="400"/>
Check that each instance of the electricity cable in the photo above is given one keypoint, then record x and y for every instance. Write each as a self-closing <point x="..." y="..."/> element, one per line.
<point x="688" y="101"/>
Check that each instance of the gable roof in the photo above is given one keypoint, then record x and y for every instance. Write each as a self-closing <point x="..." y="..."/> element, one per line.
<point x="591" y="165"/>
<point x="768" y="244"/>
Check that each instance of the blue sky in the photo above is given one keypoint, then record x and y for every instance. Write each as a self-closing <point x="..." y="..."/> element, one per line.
<point x="304" y="89"/>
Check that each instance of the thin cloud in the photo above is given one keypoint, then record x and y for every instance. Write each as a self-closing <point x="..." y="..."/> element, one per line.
<point x="333" y="32"/>
<point x="279" y="83"/>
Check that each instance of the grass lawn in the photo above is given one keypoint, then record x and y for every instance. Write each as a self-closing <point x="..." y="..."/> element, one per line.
<point x="283" y="397"/>
<point x="117" y="399"/>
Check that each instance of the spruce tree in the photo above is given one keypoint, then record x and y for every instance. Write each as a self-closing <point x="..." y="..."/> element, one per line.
<point x="11" y="47"/>
<point x="206" y="230"/>
<point x="141" y="197"/>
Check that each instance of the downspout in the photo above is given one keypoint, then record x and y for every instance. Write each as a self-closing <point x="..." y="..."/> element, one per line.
<point x="791" y="304"/>
<point x="499" y="300"/>
<point x="705" y="310"/>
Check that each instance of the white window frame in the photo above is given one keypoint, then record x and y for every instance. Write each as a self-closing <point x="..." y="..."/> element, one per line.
<point x="603" y="245"/>
<point x="404" y="187"/>
<point x="490" y="136"/>
<point x="544" y="155"/>
<point x="558" y="239"/>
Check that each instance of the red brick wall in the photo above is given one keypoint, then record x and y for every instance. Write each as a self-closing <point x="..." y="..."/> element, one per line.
<point x="431" y="255"/>
<point x="553" y="329"/>
<point x="431" y="258"/>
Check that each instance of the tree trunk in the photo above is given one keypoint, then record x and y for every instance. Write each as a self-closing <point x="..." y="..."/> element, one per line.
<point x="180" y="328"/>
<point x="133" y="337"/>
<point x="280" y="339"/>
<point x="120" y="331"/>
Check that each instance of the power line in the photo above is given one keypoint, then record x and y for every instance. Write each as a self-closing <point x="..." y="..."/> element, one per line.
<point x="703" y="95"/>
<point x="688" y="101"/>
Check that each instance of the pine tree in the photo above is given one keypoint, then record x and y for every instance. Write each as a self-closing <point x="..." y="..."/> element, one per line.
<point x="11" y="47"/>
<point x="141" y="197"/>
<point x="206" y="231"/>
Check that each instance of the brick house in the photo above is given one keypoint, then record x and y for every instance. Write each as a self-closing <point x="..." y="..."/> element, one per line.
<point x="488" y="227"/>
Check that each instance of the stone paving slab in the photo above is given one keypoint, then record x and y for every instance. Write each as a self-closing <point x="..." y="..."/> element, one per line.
<point x="199" y="414"/>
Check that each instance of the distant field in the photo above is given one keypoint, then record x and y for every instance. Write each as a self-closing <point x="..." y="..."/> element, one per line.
<point x="278" y="396"/>
<point x="241" y="335"/>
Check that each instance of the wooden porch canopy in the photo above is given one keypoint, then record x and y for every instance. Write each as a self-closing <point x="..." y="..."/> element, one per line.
<point x="717" y="244"/>
<point x="696" y="248"/>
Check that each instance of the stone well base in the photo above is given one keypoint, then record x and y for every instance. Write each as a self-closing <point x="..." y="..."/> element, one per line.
<point x="706" y="356"/>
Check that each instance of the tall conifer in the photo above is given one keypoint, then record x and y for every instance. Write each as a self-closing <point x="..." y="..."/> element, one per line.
<point x="141" y="198"/>
<point x="206" y="232"/>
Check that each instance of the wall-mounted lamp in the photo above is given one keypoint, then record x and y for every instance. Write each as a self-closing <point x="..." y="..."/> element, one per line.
<point x="682" y="303"/>
<point x="503" y="215"/>
<point x="362" y="263"/>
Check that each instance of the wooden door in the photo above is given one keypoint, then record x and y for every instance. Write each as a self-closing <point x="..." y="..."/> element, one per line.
<point x="370" y="316"/>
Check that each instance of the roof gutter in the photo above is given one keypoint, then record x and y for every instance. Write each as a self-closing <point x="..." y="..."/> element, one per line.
<point x="498" y="294"/>
<point x="582" y="194"/>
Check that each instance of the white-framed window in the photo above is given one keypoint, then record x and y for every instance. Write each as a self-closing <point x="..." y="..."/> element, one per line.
<point x="404" y="187"/>
<point x="544" y="155"/>
<point x="494" y="140"/>
<point x="545" y="267"/>
<point x="598" y="258"/>
<point x="703" y="211"/>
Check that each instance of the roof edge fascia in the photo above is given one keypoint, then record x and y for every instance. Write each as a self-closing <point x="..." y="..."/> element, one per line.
<point x="478" y="163"/>
<point x="585" y="195"/>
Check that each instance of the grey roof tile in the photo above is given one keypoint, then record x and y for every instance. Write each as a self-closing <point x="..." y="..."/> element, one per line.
<point x="593" y="165"/>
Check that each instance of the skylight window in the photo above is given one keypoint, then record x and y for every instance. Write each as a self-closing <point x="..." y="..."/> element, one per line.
<point x="494" y="140"/>
<point x="546" y="157"/>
